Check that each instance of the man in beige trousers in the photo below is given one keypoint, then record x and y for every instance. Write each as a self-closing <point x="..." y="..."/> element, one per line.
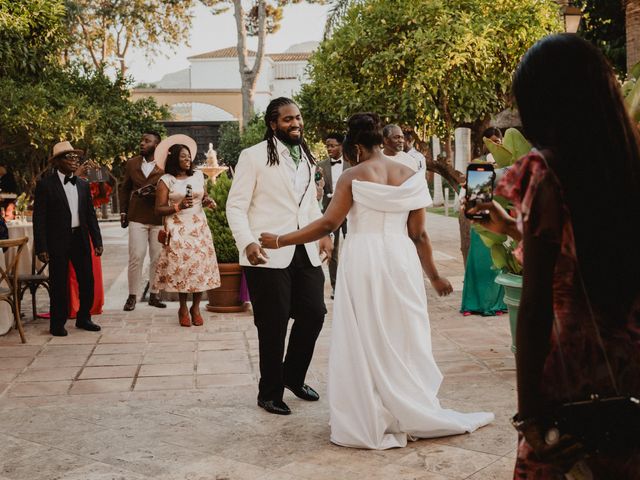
<point x="137" y="202"/>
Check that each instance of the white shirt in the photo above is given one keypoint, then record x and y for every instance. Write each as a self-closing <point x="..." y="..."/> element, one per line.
<point x="300" y="176"/>
<point x="405" y="159"/>
<point x="336" y="171"/>
<point x="71" y="192"/>
<point x="147" y="167"/>
<point x="422" y="162"/>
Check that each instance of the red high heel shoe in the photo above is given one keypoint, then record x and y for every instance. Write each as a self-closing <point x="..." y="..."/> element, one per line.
<point x="197" y="320"/>
<point x="184" y="320"/>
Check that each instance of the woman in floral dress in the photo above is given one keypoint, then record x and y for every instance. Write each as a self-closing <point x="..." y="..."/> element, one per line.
<point x="578" y="202"/>
<point x="187" y="262"/>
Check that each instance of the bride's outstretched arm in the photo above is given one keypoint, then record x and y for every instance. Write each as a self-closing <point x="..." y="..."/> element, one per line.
<point x="416" y="226"/>
<point x="332" y="219"/>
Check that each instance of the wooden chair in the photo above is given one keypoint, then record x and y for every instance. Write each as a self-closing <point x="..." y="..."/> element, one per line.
<point x="37" y="278"/>
<point x="9" y="286"/>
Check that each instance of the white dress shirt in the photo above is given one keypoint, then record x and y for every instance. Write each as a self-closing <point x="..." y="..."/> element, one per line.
<point x="336" y="171"/>
<point x="405" y="159"/>
<point x="422" y="162"/>
<point x="71" y="192"/>
<point x="300" y="176"/>
<point x="147" y="167"/>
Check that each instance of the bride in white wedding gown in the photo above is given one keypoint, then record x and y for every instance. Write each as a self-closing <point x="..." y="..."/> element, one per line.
<point x="383" y="379"/>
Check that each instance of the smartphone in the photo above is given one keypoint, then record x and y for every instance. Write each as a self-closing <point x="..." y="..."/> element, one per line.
<point x="480" y="180"/>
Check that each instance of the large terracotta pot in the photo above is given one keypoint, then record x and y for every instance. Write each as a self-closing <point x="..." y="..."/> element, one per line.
<point x="226" y="298"/>
<point x="512" y="292"/>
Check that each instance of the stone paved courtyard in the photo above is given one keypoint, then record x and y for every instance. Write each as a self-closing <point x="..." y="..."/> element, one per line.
<point x="148" y="399"/>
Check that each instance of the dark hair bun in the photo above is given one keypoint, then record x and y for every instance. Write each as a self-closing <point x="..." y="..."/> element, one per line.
<point x="365" y="129"/>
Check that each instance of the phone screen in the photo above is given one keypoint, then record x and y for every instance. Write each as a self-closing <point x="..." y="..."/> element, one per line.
<point x="479" y="187"/>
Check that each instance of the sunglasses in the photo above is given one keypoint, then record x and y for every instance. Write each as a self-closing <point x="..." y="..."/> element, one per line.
<point x="71" y="156"/>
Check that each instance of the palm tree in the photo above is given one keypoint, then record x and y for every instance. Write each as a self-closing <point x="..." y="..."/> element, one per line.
<point x="632" y="11"/>
<point x="337" y="12"/>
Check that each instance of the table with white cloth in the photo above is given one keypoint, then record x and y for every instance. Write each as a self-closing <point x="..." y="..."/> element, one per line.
<point x="17" y="229"/>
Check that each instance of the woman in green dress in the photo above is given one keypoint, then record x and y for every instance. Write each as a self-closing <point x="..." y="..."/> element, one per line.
<point x="481" y="294"/>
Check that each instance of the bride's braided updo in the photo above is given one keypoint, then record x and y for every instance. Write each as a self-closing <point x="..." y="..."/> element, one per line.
<point x="364" y="129"/>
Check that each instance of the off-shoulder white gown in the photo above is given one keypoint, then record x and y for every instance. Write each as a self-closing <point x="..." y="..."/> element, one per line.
<point x="383" y="379"/>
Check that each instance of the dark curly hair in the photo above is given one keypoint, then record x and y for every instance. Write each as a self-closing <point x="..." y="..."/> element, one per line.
<point x="172" y="165"/>
<point x="271" y="115"/>
<point x="363" y="129"/>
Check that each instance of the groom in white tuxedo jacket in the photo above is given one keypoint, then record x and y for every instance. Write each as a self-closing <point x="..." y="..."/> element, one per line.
<point x="273" y="190"/>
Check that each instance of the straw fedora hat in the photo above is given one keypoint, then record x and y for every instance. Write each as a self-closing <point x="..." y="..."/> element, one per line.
<point x="162" y="150"/>
<point x="61" y="148"/>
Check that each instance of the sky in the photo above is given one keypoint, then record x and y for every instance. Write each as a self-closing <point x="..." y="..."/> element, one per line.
<point x="301" y="23"/>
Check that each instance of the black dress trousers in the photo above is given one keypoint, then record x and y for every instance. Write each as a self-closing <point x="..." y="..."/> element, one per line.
<point x="79" y="253"/>
<point x="276" y="296"/>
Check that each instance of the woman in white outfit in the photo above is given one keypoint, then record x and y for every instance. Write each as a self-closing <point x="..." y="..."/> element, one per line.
<point x="383" y="379"/>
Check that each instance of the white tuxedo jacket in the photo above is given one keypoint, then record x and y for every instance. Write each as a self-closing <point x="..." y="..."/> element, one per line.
<point x="262" y="199"/>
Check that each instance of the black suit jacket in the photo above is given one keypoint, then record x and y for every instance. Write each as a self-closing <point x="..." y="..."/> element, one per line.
<point x="325" y="165"/>
<point x="52" y="217"/>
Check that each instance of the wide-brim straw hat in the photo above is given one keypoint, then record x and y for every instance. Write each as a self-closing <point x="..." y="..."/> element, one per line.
<point x="162" y="150"/>
<point x="62" y="148"/>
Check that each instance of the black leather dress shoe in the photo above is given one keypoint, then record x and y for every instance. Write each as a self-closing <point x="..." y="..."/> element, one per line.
<point x="88" y="325"/>
<point x="305" y="392"/>
<point x="274" y="406"/>
<point x="154" y="301"/>
<point x="59" y="332"/>
<point x="130" y="304"/>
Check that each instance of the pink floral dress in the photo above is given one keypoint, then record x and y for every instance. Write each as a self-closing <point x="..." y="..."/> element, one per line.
<point x="575" y="365"/>
<point x="188" y="263"/>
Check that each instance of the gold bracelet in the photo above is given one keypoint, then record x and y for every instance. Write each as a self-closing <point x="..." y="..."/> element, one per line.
<point x="277" y="238"/>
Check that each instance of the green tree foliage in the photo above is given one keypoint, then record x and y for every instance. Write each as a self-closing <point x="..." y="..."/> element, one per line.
<point x="31" y="33"/>
<point x="603" y="24"/>
<point x="231" y="142"/>
<point x="103" y="31"/>
<point x="430" y="65"/>
<point x="44" y="102"/>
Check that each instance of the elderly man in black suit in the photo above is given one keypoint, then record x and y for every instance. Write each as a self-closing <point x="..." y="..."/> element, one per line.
<point x="63" y="221"/>
<point x="332" y="168"/>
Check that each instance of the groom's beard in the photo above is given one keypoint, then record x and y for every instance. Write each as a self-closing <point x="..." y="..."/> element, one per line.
<point x="284" y="136"/>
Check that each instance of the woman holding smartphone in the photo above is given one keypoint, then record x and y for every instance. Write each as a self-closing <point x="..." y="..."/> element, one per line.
<point x="578" y="329"/>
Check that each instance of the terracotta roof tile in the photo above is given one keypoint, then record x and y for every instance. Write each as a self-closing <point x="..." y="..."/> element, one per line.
<point x="231" y="52"/>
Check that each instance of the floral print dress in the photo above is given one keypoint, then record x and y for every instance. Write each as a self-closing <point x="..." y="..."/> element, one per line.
<point x="575" y="366"/>
<point x="188" y="264"/>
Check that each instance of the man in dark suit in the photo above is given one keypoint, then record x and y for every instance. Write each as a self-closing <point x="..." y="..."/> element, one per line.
<point x="63" y="221"/>
<point x="137" y="197"/>
<point x="332" y="168"/>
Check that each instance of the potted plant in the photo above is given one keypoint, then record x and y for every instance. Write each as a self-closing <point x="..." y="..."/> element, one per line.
<point x="226" y="298"/>
<point x="502" y="248"/>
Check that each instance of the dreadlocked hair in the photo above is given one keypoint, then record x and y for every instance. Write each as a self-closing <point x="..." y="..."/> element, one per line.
<point x="271" y="115"/>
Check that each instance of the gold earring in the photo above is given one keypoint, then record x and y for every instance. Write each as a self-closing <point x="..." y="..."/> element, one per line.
<point x="357" y="155"/>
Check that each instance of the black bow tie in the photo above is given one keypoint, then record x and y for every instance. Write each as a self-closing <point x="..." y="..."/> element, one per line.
<point x="334" y="162"/>
<point x="69" y="178"/>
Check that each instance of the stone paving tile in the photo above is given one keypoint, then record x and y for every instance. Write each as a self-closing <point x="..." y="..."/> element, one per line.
<point x="55" y="361"/>
<point x="48" y="374"/>
<point x="9" y="374"/>
<point x="120" y="371"/>
<point x="53" y="350"/>
<point x="18" y="351"/>
<point x="76" y="337"/>
<point x="167" y="382"/>
<point x="224" y="380"/>
<point x="14" y="363"/>
<point x="168" y="357"/>
<point x="113" y="349"/>
<point x="116" y="359"/>
<point x="171" y="347"/>
<point x="451" y="461"/>
<point x="39" y="389"/>
<point x="502" y="468"/>
<point x="166" y="369"/>
<point x="103" y="385"/>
